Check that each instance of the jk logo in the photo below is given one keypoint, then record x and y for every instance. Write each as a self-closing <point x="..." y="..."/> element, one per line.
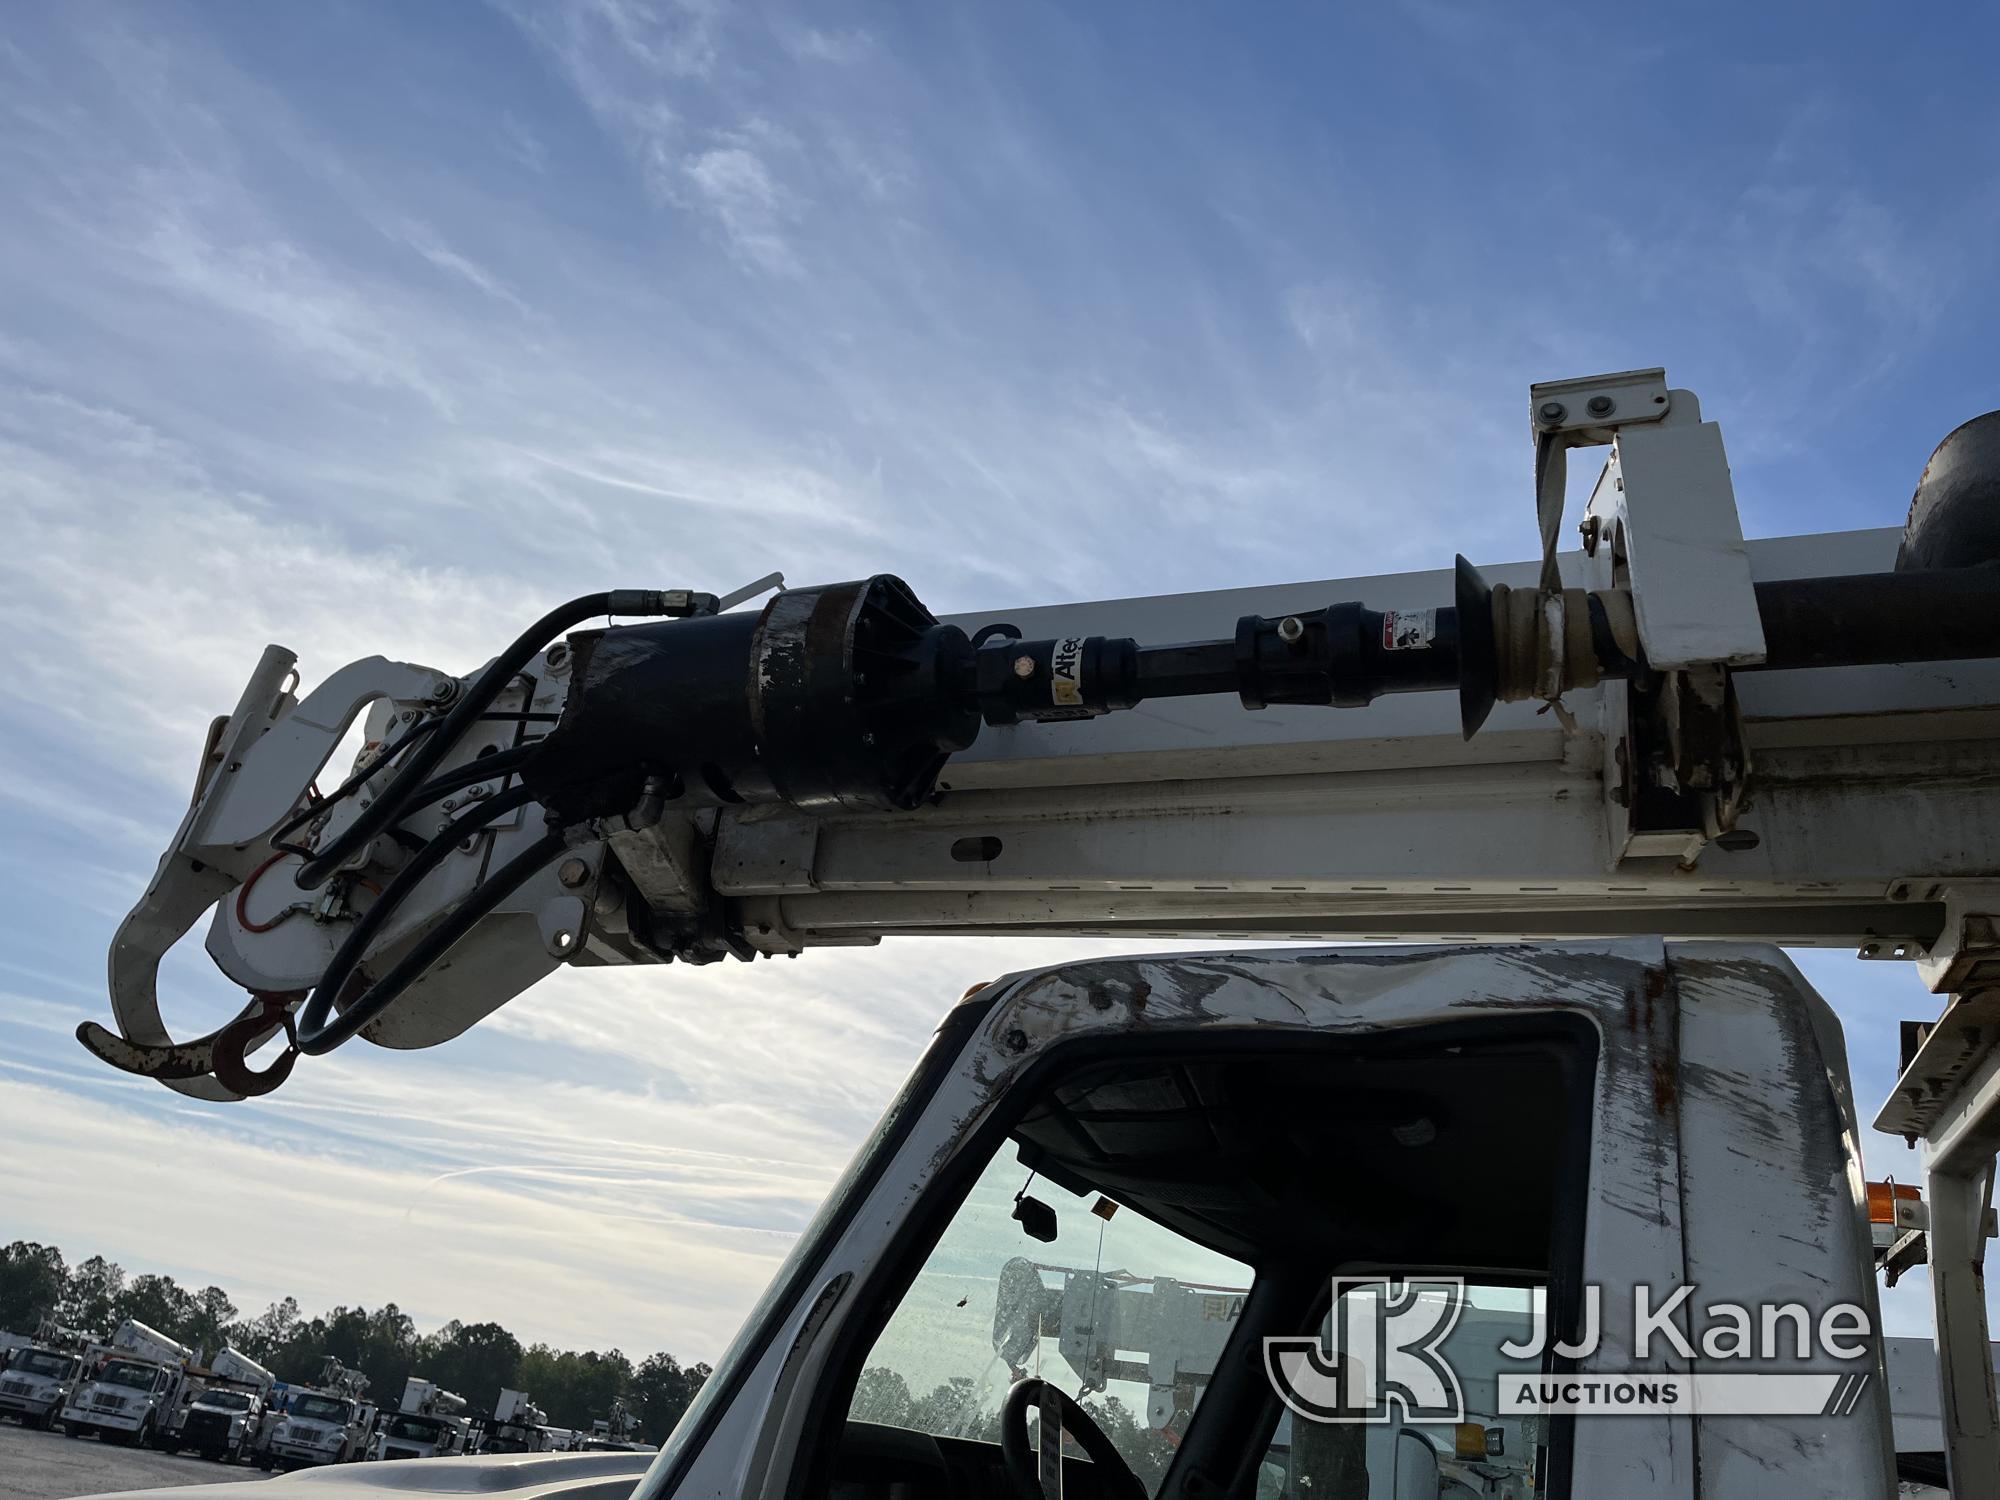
<point x="1381" y="1350"/>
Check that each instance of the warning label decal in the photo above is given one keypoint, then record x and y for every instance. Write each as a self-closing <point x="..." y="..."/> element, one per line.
<point x="1408" y="629"/>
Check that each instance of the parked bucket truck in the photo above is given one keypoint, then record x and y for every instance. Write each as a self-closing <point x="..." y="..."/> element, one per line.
<point x="131" y="1386"/>
<point x="517" y="1426"/>
<point x="325" y="1424"/>
<point x="226" y="1412"/>
<point x="618" y="1433"/>
<point x="36" y="1377"/>
<point x="427" y="1426"/>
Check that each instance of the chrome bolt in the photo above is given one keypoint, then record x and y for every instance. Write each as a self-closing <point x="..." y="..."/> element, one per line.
<point x="1024" y="667"/>
<point x="1290" y="629"/>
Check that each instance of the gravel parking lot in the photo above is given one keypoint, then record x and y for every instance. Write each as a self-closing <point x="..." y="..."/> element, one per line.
<point x="49" y="1466"/>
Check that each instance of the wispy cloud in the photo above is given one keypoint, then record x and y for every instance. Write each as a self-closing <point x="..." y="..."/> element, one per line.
<point x="734" y="184"/>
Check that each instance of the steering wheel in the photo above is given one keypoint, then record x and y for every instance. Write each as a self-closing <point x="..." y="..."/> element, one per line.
<point x="1115" y="1479"/>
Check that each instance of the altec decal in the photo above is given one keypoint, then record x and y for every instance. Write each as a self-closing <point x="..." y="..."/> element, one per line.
<point x="1066" y="673"/>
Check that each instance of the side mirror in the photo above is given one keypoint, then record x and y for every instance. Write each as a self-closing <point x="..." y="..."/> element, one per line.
<point x="1036" y="1218"/>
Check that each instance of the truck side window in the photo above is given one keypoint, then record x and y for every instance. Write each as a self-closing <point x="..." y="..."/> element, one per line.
<point x="1117" y="1310"/>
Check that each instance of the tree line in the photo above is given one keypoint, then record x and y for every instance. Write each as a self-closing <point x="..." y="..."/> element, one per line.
<point x="473" y="1359"/>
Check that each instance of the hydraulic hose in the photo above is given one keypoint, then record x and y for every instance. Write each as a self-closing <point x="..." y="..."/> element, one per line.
<point x="319" y="1030"/>
<point x="472" y="706"/>
<point x="377" y="998"/>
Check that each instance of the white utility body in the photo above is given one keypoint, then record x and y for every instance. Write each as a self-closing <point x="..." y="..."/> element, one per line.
<point x="1697" y="737"/>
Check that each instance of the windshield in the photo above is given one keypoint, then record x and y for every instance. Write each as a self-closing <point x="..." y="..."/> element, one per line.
<point x="415" y="1429"/>
<point x="226" y="1400"/>
<point x="1117" y="1309"/>
<point x="126" y="1373"/>
<point x="41" y="1362"/>
<point x="320" y="1409"/>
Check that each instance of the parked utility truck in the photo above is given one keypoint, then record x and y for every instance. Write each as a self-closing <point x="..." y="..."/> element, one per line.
<point x="428" y="1424"/>
<point x="226" y="1413"/>
<point x="324" y="1424"/>
<point x="617" y="1433"/>
<point x="37" y="1376"/>
<point x="518" y="1426"/>
<point x="131" y="1386"/>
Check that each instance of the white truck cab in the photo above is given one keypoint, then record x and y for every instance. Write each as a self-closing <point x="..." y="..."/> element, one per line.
<point x="317" y="1428"/>
<point x="1569" y="1131"/>
<point x="226" y="1412"/>
<point x="1540" y="1158"/>
<point x="222" y="1421"/>
<point x="429" y="1424"/>
<point x="36" y="1382"/>
<point x="419" y="1435"/>
<point x="124" y="1399"/>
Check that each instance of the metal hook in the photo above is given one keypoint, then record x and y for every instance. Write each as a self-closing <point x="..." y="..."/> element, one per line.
<point x="234" y="1041"/>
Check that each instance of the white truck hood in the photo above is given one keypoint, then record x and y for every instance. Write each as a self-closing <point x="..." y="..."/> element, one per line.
<point x="523" y="1476"/>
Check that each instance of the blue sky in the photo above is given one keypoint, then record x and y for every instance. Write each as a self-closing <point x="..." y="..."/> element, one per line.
<point x="378" y="328"/>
